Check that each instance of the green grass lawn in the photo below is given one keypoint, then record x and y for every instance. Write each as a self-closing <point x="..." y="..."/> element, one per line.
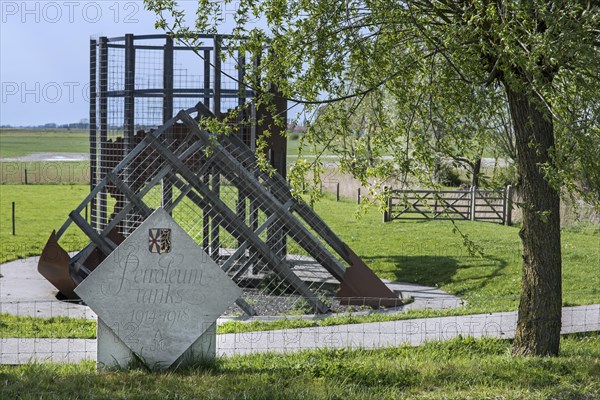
<point x="459" y="369"/>
<point x="427" y="252"/>
<point x="39" y="209"/>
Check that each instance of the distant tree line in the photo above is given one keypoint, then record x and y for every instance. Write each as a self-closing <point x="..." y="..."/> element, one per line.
<point x="82" y="124"/>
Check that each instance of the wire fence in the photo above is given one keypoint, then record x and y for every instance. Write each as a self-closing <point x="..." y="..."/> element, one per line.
<point x="44" y="172"/>
<point x="55" y="344"/>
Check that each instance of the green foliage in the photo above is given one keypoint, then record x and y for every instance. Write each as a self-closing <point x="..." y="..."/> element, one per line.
<point x="293" y="136"/>
<point x="462" y="368"/>
<point x="422" y="80"/>
<point x="448" y="176"/>
<point x="503" y="177"/>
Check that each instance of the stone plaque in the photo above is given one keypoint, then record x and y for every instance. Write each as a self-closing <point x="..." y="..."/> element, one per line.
<point x="158" y="292"/>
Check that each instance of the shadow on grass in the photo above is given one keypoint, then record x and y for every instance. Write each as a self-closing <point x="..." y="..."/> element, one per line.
<point x="438" y="270"/>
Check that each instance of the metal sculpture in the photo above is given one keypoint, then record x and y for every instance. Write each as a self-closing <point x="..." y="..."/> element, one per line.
<point x="267" y="240"/>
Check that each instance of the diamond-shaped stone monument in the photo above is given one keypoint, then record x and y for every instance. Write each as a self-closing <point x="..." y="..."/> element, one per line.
<point x="157" y="295"/>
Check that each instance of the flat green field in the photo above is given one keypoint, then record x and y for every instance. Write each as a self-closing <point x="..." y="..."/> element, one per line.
<point x="20" y="142"/>
<point x="459" y="369"/>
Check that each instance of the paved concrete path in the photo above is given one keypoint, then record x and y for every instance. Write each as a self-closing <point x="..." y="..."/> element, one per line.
<point x="412" y="332"/>
<point x="23" y="291"/>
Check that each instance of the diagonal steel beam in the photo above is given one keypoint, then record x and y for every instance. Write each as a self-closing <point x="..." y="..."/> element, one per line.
<point x="104" y="244"/>
<point x="361" y="280"/>
<point x="215" y="207"/>
<point x="211" y="204"/>
<point x="243" y="246"/>
<point x="242" y="178"/>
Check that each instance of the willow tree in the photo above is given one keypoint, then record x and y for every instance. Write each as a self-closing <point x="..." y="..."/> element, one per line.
<point x="446" y="58"/>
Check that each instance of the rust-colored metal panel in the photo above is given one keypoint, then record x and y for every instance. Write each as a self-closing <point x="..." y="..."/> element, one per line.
<point x="361" y="286"/>
<point x="54" y="266"/>
<point x="96" y="256"/>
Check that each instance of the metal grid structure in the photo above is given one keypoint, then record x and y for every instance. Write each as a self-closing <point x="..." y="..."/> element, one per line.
<point x="142" y="157"/>
<point x="136" y="83"/>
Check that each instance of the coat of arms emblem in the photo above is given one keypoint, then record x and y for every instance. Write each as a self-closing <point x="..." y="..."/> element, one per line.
<point x="159" y="240"/>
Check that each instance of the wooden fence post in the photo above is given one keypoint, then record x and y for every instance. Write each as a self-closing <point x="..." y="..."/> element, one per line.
<point x="387" y="210"/>
<point x="358" y="196"/>
<point x="13" y="218"/>
<point x="26" y="176"/>
<point x="473" y="202"/>
<point x="508" y="205"/>
<point x="337" y="191"/>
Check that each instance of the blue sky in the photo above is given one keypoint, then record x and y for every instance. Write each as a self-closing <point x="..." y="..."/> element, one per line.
<point x="44" y="54"/>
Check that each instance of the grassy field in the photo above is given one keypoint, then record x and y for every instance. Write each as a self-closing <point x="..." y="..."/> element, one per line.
<point x="429" y="253"/>
<point x="459" y="369"/>
<point x="39" y="209"/>
<point x="423" y="252"/>
<point x="20" y="142"/>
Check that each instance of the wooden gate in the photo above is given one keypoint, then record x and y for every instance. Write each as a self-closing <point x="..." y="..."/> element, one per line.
<point x="474" y="204"/>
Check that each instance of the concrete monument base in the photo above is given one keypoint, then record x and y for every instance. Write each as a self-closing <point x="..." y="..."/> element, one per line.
<point x="114" y="354"/>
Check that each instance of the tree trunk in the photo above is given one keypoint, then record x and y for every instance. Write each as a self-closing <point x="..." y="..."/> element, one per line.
<point x="539" y="321"/>
<point x="476" y="172"/>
